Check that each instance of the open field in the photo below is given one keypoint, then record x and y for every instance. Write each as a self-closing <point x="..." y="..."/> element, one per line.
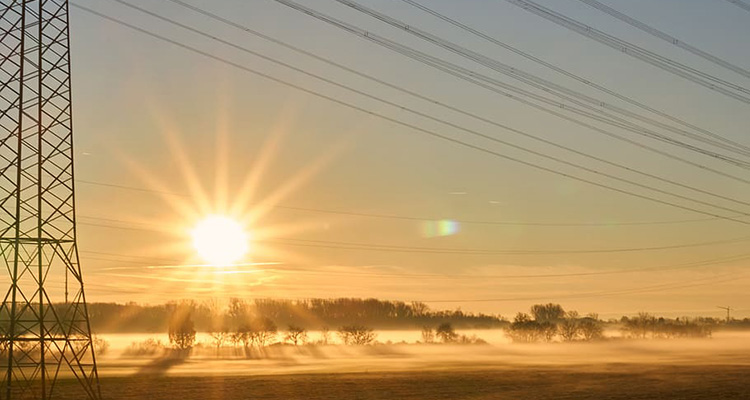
<point x="717" y="368"/>
<point x="611" y="381"/>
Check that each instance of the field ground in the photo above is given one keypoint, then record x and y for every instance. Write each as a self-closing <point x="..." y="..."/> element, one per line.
<point x="717" y="368"/>
<point x="613" y="381"/>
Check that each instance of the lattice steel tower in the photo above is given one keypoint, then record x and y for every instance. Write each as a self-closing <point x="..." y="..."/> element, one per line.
<point x="44" y="326"/>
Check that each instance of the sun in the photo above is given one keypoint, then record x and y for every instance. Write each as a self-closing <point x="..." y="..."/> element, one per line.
<point x="220" y="240"/>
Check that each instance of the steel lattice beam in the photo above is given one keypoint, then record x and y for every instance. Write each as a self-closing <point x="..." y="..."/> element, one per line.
<point x="44" y="328"/>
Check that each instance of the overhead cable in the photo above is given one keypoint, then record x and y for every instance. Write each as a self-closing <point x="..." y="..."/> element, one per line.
<point x="704" y="79"/>
<point x="491" y="84"/>
<point x="406" y="124"/>
<point x="573" y="76"/>
<point x="665" y="37"/>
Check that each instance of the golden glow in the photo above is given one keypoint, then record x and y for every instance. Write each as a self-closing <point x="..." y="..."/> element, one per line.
<point x="220" y="240"/>
<point x="220" y="229"/>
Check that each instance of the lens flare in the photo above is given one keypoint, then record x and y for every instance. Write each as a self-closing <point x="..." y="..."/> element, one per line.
<point x="443" y="227"/>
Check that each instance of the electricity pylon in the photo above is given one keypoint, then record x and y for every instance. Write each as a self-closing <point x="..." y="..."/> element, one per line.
<point x="728" y="309"/>
<point x="44" y="327"/>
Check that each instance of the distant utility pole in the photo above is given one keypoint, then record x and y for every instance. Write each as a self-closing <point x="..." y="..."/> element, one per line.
<point x="728" y="310"/>
<point x="45" y="333"/>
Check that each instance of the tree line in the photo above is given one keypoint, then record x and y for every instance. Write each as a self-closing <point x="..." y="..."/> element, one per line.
<point x="311" y="314"/>
<point x="249" y="337"/>
<point x="551" y="322"/>
<point x="241" y="328"/>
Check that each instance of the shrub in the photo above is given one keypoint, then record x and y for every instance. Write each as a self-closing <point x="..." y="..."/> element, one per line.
<point x="148" y="347"/>
<point x="356" y="335"/>
<point x="101" y="346"/>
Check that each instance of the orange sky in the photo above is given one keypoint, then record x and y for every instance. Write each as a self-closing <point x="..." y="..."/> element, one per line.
<point x="186" y="137"/>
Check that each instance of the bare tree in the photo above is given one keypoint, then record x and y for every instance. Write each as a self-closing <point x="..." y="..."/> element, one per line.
<point x="325" y="335"/>
<point x="569" y="327"/>
<point x="263" y="331"/>
<point x="219" y="337"/>
<point x="446" y="333"/>
<point x="239" y="312"/>
<point x="182" y="331"/>
<point x="428" y="335"/>
<point x="101" y="346"/>
<point x="547" y="312"/>
<point x="523" y="329"/>
<point x="591" y="328"/>
<point x="548" y="330"/>
<point x="244" y="336"/>
<point x="356" y="335"/>
<point x="419" y="308"/>
<point x="217" y="313"/>
<point x="296" y="335"/>
<point x="639" y="326"/>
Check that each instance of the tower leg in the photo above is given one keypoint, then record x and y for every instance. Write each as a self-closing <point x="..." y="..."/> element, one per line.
<point x="45" y="334"/>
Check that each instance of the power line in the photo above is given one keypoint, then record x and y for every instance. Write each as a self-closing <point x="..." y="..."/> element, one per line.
<point x="412" y="218"/>
<point x="470" y="251"/>
<point x="629" y="291"/>
<point x="461" y="251"/>
<point x="634" y="290"/>
<point x="405" y="124"/>
<point x="143" y="264"/>
<point x="706" y="80"/>
<point x="431" y="100"/>
<point x="683" y="284"/>
<point x="469" y="76"/>
<point x="549" y="87"/>
<point x="667" y="38"/>
<point x="741" y="4"/>
<point x="133" y="188"/>
<point x="578" y="78"/>
<point x="150" y="259"/>
<point x="558" y="91"/>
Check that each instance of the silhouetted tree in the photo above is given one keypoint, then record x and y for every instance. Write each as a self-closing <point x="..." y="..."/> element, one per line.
<point x="296" y="335"/>
<point x="428" y="335"/>
<point x="243" y="335"/>
<point x="310" y="314"/>
<point x="639" y="326"/>
<point x="182" y="331"/>
<point x="446" y="333"/>
<point x="524" y="329"/>
<point x="419" y="309"/>
<point x="238" y="312"/>
<point x="325" y="335"/>
<point x="547" y="312"/>
<point x="263" y="331"/>
<point x="100" y="345"/>
<point x="547" y="330"/>
<point x="591" y="328"/>
<point x="357" y="335"/>
<point x="569" y="327"/>
<point x="219" y="337"/>
<point x="473" y="339"/>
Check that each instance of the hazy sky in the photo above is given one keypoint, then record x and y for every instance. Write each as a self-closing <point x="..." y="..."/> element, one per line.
<point x="152" y="115"/>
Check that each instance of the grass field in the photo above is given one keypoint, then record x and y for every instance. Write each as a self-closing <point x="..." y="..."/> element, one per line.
<point x="613" y="381"/>
<point x="717" y="368"/>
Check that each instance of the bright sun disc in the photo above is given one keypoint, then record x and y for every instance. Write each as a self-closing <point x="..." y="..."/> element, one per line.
<point x="220" y="240"/>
